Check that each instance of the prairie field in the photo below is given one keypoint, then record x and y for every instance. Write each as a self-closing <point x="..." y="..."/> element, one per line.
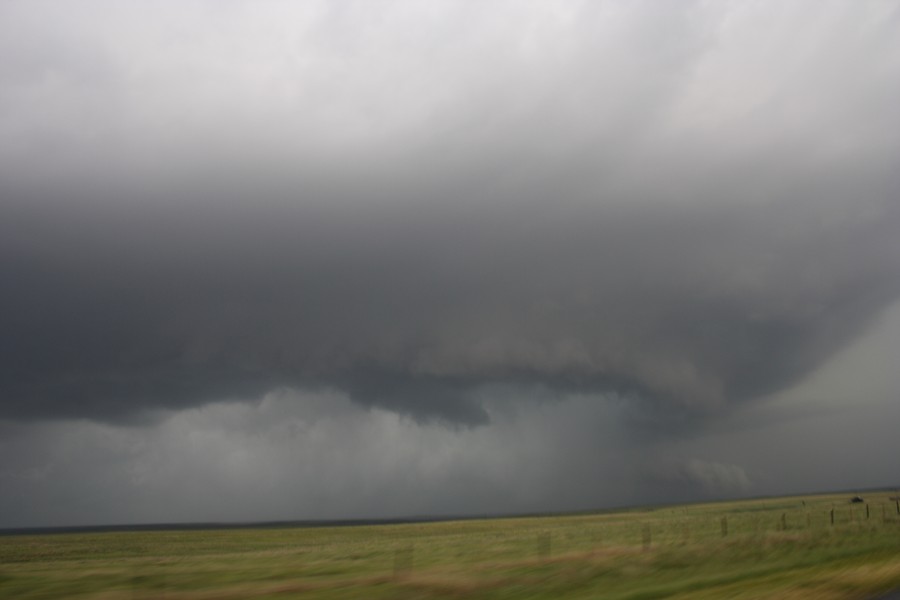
<point x="766" y="548"/>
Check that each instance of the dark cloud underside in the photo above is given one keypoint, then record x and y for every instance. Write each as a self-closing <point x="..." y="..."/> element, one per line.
<point x="615" y="199"/>
<point x="692" y="305"/>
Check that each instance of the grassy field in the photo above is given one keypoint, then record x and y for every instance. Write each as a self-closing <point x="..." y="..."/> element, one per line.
<point x="771" y="548"/>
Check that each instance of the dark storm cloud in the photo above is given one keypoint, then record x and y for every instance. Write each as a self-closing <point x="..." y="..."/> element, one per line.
<point x="301" y="456"/>
<point x="619" y="199"/>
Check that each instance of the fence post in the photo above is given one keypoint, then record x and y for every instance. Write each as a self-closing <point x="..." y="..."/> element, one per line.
<point x="832" y="516"/>
<point x="724" y="526"/>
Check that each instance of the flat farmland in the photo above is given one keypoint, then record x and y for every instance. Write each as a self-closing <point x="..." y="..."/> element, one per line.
<point x="821" y="547"/>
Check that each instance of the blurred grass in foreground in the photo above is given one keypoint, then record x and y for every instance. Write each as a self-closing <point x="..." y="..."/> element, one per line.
<point x="770" y="548"/>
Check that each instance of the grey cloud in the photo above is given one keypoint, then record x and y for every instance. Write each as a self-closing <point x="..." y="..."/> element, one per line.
<point x="276" y="260"/>
<point x="417" y="316"/>
<point x="301" y="456"/>
<point x="556" y="201"/>
<point x="710" y="478"/>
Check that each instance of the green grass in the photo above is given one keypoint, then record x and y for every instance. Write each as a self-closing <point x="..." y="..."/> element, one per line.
<point x="774" y="548"/>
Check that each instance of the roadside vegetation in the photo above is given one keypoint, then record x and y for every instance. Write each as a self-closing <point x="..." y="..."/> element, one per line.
<point x="768" y="548"/>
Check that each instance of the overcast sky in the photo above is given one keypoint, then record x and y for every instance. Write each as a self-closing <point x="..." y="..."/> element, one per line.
<point x="337" y="259"/>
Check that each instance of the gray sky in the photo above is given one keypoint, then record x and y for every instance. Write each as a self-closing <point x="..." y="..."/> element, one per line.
<point x="279" y="260"/>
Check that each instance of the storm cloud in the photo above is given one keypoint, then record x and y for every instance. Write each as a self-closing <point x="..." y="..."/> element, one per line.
<point x="423" y="207"/>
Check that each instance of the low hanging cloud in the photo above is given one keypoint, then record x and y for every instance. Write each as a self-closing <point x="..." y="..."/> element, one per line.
<point x="710" y="478"/>
<point x="302" y="456"/>
<point x="617" y="199"/>
<point x="419" y="318"/>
